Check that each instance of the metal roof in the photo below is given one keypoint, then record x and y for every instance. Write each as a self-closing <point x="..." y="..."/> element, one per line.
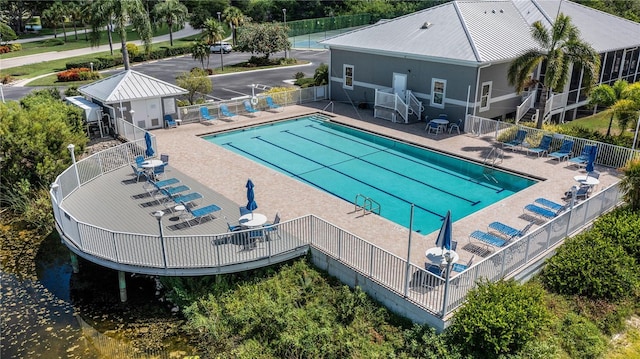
<point x="483" y="31"/>
<point x="129" y="85"/>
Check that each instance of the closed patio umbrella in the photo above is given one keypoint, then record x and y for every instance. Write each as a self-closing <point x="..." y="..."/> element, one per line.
<point x="444" y="237"/>
<point x="592" y="159"/>
<point x="251" y="203"/>
<point x="147" y="139"/>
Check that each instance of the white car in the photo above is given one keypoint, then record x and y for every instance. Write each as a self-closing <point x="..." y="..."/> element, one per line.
<point x="225" y="47"/>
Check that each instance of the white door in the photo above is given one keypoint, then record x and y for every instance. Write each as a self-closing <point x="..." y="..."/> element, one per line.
<point x="400" y="85"/>
<point x="154" y="113"/>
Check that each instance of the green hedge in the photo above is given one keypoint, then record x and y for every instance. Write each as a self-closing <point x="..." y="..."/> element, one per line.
<point x="106" y="62"/>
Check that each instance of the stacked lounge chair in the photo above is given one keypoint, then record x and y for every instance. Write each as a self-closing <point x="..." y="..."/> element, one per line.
<point x="564" y="152"/>
<point x="517" y="141"/>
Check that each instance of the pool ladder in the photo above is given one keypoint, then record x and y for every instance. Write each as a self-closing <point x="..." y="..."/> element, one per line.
<point x="366" y="204"/>
<point x="495" y="155"/>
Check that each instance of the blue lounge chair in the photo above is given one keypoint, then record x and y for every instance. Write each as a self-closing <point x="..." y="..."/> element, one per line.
<point x="184" y="198"/>
<point x="224" y="110"/>
<point x="457" y="267"/>
<point x="167" y="193"/>
<point x="564" y="152"/>
<point x="508" y="231"/>
<point x="540" y="211"/>
<point x="271" y="104"/>
<point x="169" y="121"/>
<point x="556" y="207"/>
<point x="200" y="213"/>
<point x="488" y="238"/>
<point x="543" y="147"/>
<point x="205" y="117"/>
<point x="582" y="159"/>
<point x="153" y="186"/>
<point x="516" y="142"/>
<point x="249" y="108"/>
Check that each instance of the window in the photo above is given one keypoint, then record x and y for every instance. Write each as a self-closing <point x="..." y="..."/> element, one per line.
<point x="347" y="71"/>
<point x="485" y="96"/>
<point x="438" y="91"/>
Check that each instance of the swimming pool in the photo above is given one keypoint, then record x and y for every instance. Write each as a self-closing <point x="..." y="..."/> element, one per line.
<point x="347" y="162"/>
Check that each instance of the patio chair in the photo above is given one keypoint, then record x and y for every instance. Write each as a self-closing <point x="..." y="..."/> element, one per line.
<point x="224" y="110"/>
<point x="200" y="213"/>
<point x="582" y="192"/>
<point x="138" y="172"/>
<point x="582" y="159"/>
<point x="271" y="104"/>
<point x="540" y="211"/>
<point x="139" y="160"/>
<point x="165" y="159"/>
<point x="249" y="108"/>
<point x="508" y="231"/>
<point x="158" y="172"/>
<point x="433" y="127"/>
<point x="205" y="117"/>
<point x="435" y="269"/>
<point x="169" y="122"/>
<point x="243" y="210"/>
<point x="457" y="267"/>
<point x="488" y="238"/>
<point x="594" y="174"/>
<point x="231" y="227"/>
<point x="543" y="147"/>
<point x="564" y="152"/>
<point x="556" y="207"/>
<point x="517" y="141"/>
<point x="455" y="125"/>
<point x="272" y="227"/>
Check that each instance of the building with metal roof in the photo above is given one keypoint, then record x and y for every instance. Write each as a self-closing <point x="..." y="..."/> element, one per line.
<point x="453" y="58"/>
<point x="138" y="98"/>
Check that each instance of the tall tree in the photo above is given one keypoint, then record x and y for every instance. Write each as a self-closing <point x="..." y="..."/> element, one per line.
<point x="56" y="16"/>
<point x="212" y="32"/>
<point x="77" y="15"/>
<point x="608" y="96"/>
<point x="121" y="13"/>
<point x="263" y="39"/>
<point x="173" y="13"/>
<point x="560" y="47"/>
<point x="236" y="18"/>
<point x="200" y="51"/>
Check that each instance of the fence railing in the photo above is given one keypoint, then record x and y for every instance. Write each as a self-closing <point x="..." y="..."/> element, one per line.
<point x="295" y="96"/>
<point x="608" y="155"/>
<point x="525" y="105"/>
<point x="209" y="253"/>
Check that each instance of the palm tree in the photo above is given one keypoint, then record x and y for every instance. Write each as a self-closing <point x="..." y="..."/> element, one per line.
<point x="608" y="96"/>
<point x="630" y="183"/>
<point x="235" y="17"/>
<point x="201" y="51"/>
<point x="560" y="47"/>
<point x="55" y="15"/>
<point x="77" y="15"/>
<point x="122" y="13"/>
<point x="212" y="32"/>
<point x="173" y="13"/>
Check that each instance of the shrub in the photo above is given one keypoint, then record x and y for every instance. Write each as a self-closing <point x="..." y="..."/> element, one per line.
<point x="622" y="227"/>
<point x="53" y="42"/>
<point x="6" y="79"/>
<point x="72" y="91"/>
<point x="4" y="49"/>
<point x="78" y="74"/>
<point x="575" y="270"/>
<point x="581" y="338"/>
<point x="15" y="47"/>
<point x="630" y="184"/>
<point x="299" y="75"/>
<point x="305" y="82"/>
<point x="132" y="49"/>
<point x="499" y="318"/>
<point x="321" y="75"/>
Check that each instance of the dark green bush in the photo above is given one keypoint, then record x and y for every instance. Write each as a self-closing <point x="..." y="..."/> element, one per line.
<point x="53" y="42"/>
<point x="305" y="82"/>
<point x="298" y="75"/>
<point x="591" y="266"/>
<point x="422" y="341"/>
<point x="581" y="338"/>
<point x="499" y="318"/>
<point x="622" y="226"/>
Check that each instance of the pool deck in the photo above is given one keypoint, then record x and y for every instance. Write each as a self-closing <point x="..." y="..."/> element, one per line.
<point x="226" y="173"/>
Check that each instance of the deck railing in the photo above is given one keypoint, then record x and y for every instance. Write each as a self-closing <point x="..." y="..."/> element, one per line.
<point x="211" y="253"/>
<point x="608" y="155"/>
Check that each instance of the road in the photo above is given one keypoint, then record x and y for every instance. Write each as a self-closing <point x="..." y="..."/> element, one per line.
<point x="224" y="86"/>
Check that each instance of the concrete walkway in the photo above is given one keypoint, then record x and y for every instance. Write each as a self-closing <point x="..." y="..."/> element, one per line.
<point x="57" y="55"/>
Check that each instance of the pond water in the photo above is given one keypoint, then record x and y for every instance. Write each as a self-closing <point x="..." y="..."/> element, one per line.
<point x="66" y="315"/>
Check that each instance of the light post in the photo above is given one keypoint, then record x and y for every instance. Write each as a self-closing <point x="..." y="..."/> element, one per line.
<point x="284" y="13"/>
<point x="91" y="64"/>
<point x="158" y="215"/>
<point x="221" y="50"/>
<point x="408" y="267"/>
<point x="448" y="258"/>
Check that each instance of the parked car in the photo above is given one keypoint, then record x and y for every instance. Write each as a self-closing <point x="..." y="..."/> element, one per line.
<point x="224" y="47"/>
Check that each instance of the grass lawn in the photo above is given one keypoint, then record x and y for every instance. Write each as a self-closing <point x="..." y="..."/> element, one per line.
<point x="39" y="47"/>
<point x="598" y="122"/>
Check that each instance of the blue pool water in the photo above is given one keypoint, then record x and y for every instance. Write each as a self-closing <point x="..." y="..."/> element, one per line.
<point x="346" y="162"/>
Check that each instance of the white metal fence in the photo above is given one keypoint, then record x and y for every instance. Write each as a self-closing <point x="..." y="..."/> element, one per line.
<point x="211" y="252"/>
<point x="294" y="96"/>
<point x="608" y="155"/>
